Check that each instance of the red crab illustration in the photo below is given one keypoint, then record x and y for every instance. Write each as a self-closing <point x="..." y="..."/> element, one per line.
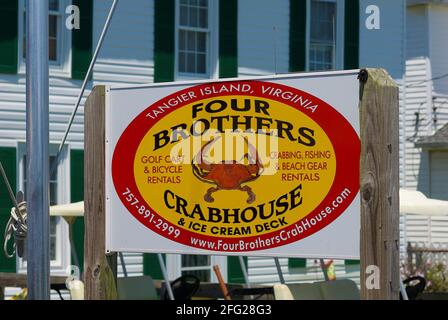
<point x="228" y="175"/>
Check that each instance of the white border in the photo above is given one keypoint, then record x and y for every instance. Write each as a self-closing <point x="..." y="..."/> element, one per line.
<point x="260" y="253"/>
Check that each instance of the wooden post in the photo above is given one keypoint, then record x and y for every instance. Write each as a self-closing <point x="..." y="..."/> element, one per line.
<point x="99" y="269"/>
<point x="379" y="185"/>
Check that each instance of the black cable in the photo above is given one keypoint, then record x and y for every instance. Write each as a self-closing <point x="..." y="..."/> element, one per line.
<point x="428" y="80"/>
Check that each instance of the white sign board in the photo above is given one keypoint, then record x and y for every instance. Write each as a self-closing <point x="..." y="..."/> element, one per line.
<point x="265" y="166"/>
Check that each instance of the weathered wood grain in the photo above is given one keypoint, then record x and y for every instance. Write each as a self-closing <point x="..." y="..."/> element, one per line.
<point x="379" y="184"/>
<point x="99" y="275"/>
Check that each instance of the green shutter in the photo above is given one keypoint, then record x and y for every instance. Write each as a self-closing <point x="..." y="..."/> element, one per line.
<point x="228" y="38"/>
<point x="296" y="265"/>
<point x="297" y="35"/>
<point x="234" y="272"/>
<point x="82" y="40"/>
<point x="77" y="194"/>
<point x="164" y="40"/>
<point x="8" y="36"/>
<point x="151" y="266"/>
<point x="351" y="34"/>
<point x="8" y="158"/>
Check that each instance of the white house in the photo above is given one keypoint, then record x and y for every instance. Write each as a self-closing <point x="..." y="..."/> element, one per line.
<point x="170" y="40"/>
<point x="426" y="115"/>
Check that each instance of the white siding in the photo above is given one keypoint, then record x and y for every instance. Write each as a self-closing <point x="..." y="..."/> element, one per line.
<point x="63" y="93"/>
<point x="418" y="101"/>
<point x="426" y="230"/>
<point x="127" y="54"/>
<point x="422" y="172"/>
<point x="134" y="264"/>
<point x="432" y="110"/>
<point x="417" y="228"/>
<point x="426" y="45"/>
<point x="125" y="58"/>
<point x="263" y="37"/>
<point x="441" y="113"/>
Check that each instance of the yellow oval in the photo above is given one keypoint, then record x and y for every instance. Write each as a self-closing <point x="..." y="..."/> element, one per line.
<point x="167" y="180"/>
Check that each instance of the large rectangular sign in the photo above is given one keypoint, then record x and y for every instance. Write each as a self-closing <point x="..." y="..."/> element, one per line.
<point x="264" y="166"/>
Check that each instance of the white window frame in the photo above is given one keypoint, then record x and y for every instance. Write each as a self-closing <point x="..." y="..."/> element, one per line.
<point x="61" y="67"/>
<point x="60" y="265"/>
<point x="174" y="267"/>
<point x="212" y="48"/>
<point x="340" y="26"/>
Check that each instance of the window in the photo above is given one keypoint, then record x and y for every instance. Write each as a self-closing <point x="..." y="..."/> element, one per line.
<point x="54" y="15"/>
<point x="59" y="37"/>
<point x="196" y="39"/>
<point x="323" y="38"/>
<point x="325" y="50"/>
<point x="59" y="233"/>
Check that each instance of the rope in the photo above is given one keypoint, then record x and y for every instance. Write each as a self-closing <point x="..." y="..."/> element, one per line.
<point x="16" y="227"/>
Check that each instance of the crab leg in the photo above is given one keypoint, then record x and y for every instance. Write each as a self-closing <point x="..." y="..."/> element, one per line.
<point x="208" y="196"/>
<point x="250" y="156"/>
<point x="199" y="158"/>
<point x="206" y="148"/>
<point x="250" y="193"/>
<point x="253" y="153"/>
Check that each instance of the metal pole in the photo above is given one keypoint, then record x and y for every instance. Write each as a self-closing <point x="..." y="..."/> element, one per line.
<point x="404" y="294"/>
<point x="72" y="244"/>
<point x="84" y="83"/>
<point x="38" y="262"/>
<point x="165" y="276"/>
<point x="279" y="271"/>
<point x="243" y="269"/>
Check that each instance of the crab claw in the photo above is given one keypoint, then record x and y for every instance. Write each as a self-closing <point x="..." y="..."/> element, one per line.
<point x="250" y="193"/>
<point x="251" y="197"/>
<point x="199" y="158"/>
<point x="208" y="196"/>
<point x="253" y="156"/>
